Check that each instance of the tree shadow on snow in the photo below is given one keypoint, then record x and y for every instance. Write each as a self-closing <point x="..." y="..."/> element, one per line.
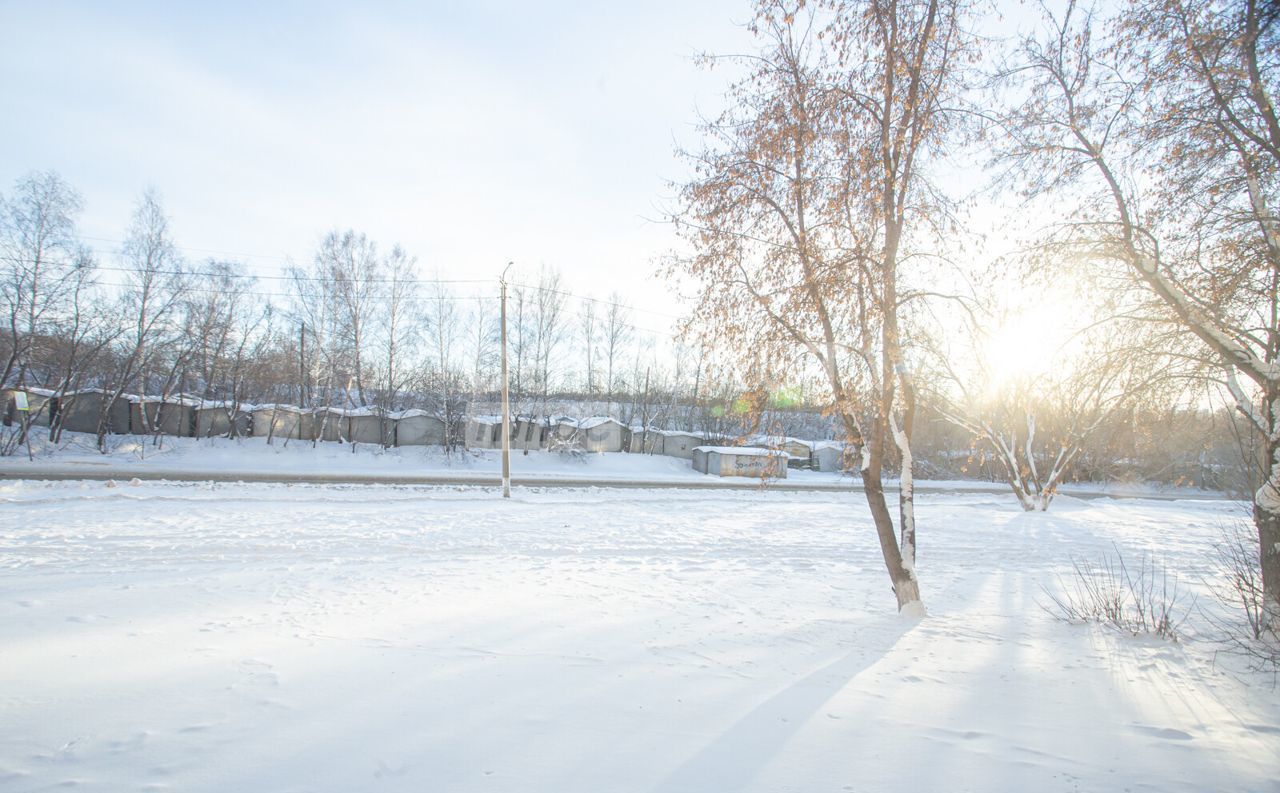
<point x="735" y="757"/>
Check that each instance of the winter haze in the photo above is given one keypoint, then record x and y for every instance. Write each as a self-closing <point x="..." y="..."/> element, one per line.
<point x="752" y="395"/>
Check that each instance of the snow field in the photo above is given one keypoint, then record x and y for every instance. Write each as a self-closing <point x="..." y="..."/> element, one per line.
<point x="268" y="637"/>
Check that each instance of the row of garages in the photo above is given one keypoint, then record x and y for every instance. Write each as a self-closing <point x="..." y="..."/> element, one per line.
<point x="771" y="460"/>
<point x="92" y="409"/>
<point x="596" y="434"/>
<point x="87" y="410"/>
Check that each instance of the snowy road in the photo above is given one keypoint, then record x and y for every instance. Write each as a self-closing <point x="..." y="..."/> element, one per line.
<point x="116" y="470"/>
<point x="254" y="460"/>
<point x="270" y="638"/>
<point x="828" y="484"/>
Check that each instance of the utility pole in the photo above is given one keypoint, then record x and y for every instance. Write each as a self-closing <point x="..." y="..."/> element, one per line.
<point x="302" y="364"/>
<point x="506" y="398"/>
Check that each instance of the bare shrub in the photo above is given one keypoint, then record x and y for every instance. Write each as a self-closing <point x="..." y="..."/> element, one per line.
<point x="570" y="446"/>
<point x="1244" y="628"/>
<point x="11" y="439"/>
<point x="1141" y="600"/>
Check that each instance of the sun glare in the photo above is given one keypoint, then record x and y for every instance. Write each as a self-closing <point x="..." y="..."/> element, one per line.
<point x="1028" y="343"/>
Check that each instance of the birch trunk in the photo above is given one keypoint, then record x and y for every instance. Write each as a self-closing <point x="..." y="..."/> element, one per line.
<point x="1266" y="515"/>
<point x="905" y="586"/>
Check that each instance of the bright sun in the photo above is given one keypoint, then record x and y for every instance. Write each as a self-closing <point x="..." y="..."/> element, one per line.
<point x="1027" y="343"/>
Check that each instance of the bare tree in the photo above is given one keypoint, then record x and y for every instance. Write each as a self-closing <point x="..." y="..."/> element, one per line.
<point x="225" y="321"/>
<point x="549" y="329"/>
<point x="322" y="347"/>
<point x="43" y="267"/>
<point x="335" y="303"/>
<point x="809" y="195"/>
<point x="484" y="341"/>
<point x="251" y="334"/>
<point x="1170" y="134"/>
<point x="617" y="335"/>
<point x="519" y="340"/>
<point x="447" y="382"/>
<point x="1037" y="427"/>
<point x="155" y="278"/>
<point x="590" y="329"/>
<point x="400" y="330"/>
<point x="1037" y="395"/>
<point x="348" y="265"/>
<point x="84" y="344"/>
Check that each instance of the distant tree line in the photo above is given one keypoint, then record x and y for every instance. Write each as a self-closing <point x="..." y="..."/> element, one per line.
<point x="358" y="325"/>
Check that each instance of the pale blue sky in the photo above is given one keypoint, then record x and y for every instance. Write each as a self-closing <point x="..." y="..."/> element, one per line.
<point x="472" y="133"/>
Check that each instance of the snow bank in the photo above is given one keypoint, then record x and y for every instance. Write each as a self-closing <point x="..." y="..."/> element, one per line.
<point x="411" y="413"/>
<point x="741" y="451"/>
<point x="596" y="421"/>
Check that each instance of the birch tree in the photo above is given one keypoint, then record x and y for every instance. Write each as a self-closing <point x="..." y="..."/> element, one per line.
<point x="617" y="335"/>
<point x="549" y="331"/>
<point x="1037" y="392"/>
<point x="155" y="279"/>
<point x="483" y="341"/>
<point x="44" y="268"/>
<point x="519" y="340"/>
<point x="1163" y="126"/>
<point x="400" y="330"/>
<point x="322" y="346"/>
<point x="221" y="318"/>
<point x="347" y="262"/>
<point x="1037" y="427"/>
<point x="809" y="195"/>
<point x="232" y="328"/>
<point x="589" y="332"/>
<point x="85" y="340"/>
<point x="337" y="303"/>
<point x="447" y="382"/>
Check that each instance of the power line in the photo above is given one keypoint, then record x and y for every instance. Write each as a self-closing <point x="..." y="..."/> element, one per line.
<point x="637" y="328"/>
<point x="289" y="277"/>
<point x="201" y="250"/>
<point x="289" y="261"/>
<point x="416" y="281"/>
<point x="256" y="293"/>
<point x="420" y="281"/>
<point x="416" y="299"/>
<point x="562" y="292"/>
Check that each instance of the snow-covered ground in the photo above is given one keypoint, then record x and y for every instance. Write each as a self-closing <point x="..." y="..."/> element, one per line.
<point x="247" y="637"/>
<point x="256" y="456"/>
